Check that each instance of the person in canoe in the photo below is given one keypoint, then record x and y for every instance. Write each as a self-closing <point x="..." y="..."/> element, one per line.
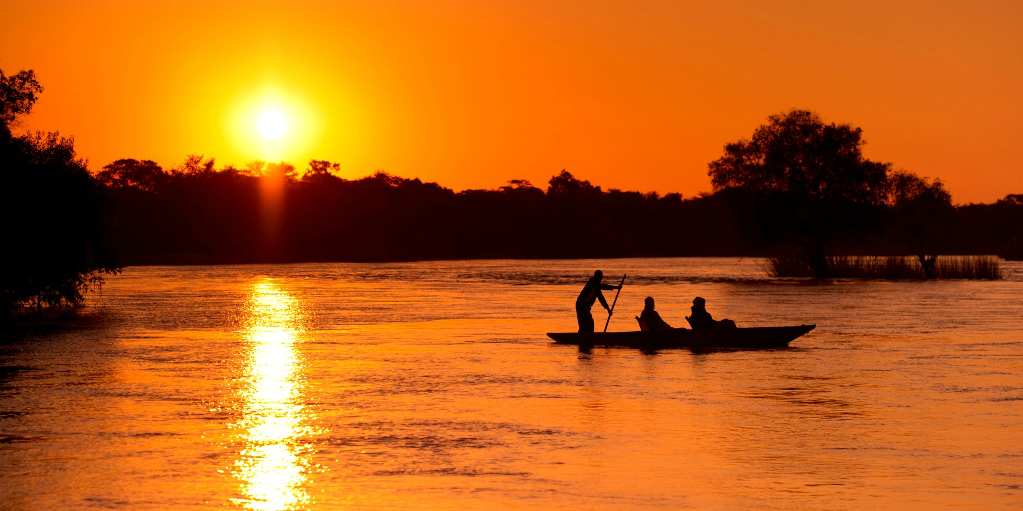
<point x="651" y="318"/>
<point x="701" y="319"/>
<point x="591" y="292"/>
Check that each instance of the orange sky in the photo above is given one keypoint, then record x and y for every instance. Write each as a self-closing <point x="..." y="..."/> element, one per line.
<point x="630" y="95"/>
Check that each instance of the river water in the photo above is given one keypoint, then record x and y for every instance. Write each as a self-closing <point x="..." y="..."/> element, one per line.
<point x="432" y="386"/>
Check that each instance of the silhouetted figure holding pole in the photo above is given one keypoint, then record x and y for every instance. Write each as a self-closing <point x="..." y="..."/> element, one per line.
<point x="591" y="293"/>
<point x="650" y="318"/>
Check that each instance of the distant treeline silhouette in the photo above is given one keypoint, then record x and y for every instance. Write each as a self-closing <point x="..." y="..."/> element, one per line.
<point x="195" y="214"/>
<point x="798" y="188"/>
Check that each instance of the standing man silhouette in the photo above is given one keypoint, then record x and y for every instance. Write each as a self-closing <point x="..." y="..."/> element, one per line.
<point x="589" y="294"/>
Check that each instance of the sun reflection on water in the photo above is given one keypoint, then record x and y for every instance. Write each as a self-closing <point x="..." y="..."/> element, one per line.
<point x="272" y="466"/>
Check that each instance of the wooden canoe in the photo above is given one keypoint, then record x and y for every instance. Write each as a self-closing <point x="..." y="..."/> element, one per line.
<point x="697" y="340"/>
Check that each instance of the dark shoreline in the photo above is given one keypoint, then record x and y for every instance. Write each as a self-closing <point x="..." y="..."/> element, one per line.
<point x="237" y="261"/>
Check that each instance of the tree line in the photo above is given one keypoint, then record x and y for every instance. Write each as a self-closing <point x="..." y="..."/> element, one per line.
<point x="798" y="187"/>
<point x="195" y="213"/>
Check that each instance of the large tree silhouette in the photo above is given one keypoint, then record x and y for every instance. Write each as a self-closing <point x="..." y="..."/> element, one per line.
<point x="810" y="179"/>
<point x="55" y="238"/>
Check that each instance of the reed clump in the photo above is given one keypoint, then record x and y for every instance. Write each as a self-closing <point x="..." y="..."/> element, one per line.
<point x="890" y="267"/>
<point x="969" y="267"/>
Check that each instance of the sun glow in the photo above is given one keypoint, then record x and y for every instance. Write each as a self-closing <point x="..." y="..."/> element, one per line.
<point x="254" y="116"/>
<point x="272" y="124"/>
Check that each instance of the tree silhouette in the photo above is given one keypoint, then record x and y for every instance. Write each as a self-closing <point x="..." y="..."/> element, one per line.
<point x="225" y="216"/>
<point x="280" y="170"/>
<point x="923" y="213"/>
<point x="1011" y="213"/>
<point x="255" y="168"/>
<point x="810" y="178"/>
<point x="18" y="93"/>
<point x="321" y="168"/>
<point x="566" y="184"/>
<point x="195" y="165"/>
<point x="514" y="185"/>
<point x="144" y="175"/>
<point x="56" y="243"/>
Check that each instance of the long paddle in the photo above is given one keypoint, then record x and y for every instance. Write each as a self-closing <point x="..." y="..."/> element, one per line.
<point x="612" y="311"/>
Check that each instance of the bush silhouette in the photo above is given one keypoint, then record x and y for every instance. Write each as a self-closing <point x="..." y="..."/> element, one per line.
<point x="57" y="240"/>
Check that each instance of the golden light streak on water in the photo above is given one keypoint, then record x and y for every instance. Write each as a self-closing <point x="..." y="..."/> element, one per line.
<point x="272" y="466"/>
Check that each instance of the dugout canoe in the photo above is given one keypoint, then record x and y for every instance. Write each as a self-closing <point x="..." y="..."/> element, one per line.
<point x="710" y="339"/>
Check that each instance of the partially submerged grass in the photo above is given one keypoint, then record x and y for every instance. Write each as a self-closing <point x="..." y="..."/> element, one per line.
<point x="969" y="267"/>
<point x="891" y="267"/>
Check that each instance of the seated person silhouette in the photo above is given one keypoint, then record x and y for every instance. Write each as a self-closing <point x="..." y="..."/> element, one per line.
<point x="701" y="319"/>
<point x="649" y="319"/>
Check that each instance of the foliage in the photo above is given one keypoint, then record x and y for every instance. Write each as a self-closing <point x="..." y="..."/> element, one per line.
<point x="969" y="267"/>
<point x="891" y="268"/>
<point x="56" y="240"/>
<point x="195" y="165"/>
<point x="995" y="228"/>
<point x="566" y="184"/>
<point x="809" y="180"/>
<point x="518" y="184"/>
<point x="321" y="169"/>
<point x="923" y="213"/>
<point x="1012" y="249"/>
<point x="144" y="175"/>
<point x="223" y="216"/>
<point x="18" y="93"/>
<point x="230" y="215"/>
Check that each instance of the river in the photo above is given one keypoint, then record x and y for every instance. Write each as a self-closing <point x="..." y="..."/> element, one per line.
<point x="431" y="385"/>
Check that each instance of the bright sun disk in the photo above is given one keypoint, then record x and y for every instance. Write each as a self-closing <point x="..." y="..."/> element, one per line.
<point x="272" y="124"/>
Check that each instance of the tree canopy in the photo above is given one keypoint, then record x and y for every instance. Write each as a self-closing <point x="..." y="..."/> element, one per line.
<point x="920" y="215"/>
<point x="798" y="154"/>
<point x="131" y="173"/>
<point x="18" y="93"/>
<point x="56" y="239"/>
<point x="809" y="177"/>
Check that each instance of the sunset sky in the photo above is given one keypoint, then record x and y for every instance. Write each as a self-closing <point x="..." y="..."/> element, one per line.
<point x="630" y="95"/>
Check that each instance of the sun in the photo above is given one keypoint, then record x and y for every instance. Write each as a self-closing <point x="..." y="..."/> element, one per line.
<point x="272" y="124"/>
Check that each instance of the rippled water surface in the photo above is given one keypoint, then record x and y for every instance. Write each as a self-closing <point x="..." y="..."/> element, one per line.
<point x="433" y="386"/>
